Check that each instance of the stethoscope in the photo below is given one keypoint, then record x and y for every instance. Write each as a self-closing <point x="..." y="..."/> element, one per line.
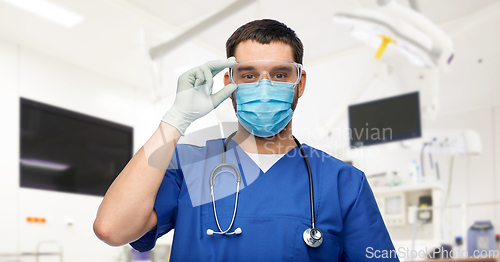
<point x="312" y="236"/>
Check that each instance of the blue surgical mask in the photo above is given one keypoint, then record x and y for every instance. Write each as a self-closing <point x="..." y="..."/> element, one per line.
<point x="264" y="108"/>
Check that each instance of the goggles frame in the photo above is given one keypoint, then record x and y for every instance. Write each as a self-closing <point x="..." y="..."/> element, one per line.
<point x="297" y="65"/>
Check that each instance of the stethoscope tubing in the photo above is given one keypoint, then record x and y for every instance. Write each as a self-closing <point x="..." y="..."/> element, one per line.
<point x="234" y="212"/>
<point x="308" y="236"/>
<point x="237" y="177"/>
<point x="311" y="189"/>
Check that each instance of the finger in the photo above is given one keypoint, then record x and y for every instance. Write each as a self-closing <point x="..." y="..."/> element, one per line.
<point x="223" y="94"/>
<point x="192" y="78"/>
<point x="199" y="78"/>
<point x="208" y="79"/>
<point x="218" y="65"/>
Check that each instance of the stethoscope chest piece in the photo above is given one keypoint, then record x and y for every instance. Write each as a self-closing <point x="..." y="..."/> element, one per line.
<point x="313" y="237"/>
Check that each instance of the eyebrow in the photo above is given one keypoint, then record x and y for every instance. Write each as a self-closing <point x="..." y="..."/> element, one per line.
<point x="246" y="68"/>
<point x="283" y="68"/>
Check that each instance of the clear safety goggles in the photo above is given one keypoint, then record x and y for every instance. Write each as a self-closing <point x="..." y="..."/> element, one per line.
<point x="253" y="71"/>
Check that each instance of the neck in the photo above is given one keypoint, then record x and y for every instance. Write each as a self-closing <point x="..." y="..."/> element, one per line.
<point x="280" y="143"/>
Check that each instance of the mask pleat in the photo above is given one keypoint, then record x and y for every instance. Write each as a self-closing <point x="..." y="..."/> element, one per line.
<point x="264" y="109"/>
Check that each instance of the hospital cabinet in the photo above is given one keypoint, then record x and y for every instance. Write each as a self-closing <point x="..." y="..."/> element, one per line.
<point x="398" y="206"/>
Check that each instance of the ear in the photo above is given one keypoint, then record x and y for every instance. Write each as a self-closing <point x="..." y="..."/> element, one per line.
<point x="302" y="83"/>
<point x="227" y="81"/>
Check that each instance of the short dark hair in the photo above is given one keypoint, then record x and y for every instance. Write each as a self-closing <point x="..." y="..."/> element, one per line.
<point x="266" y="31"/>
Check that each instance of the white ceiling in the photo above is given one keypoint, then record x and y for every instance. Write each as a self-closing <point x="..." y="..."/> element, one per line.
<point x="109" y="39"/>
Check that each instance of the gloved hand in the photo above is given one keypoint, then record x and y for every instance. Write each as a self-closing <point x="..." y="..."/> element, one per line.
<point x="194" y="97"/>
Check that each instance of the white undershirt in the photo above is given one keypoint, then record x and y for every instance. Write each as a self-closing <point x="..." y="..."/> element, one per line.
<point x="265" y="161"/>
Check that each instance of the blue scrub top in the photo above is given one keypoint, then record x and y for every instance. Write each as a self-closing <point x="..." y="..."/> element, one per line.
<point x="273" y="209"/>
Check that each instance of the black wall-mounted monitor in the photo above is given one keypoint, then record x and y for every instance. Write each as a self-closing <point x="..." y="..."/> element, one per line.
<point x="385" y="120"/>
<point x="70" y="152"/>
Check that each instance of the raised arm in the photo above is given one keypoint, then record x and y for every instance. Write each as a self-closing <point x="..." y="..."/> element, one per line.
<point x="127" y="210"/>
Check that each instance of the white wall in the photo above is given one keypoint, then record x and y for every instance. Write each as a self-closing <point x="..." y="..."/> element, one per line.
<point x="9" y="155"/>
<point x="33" y="75"/>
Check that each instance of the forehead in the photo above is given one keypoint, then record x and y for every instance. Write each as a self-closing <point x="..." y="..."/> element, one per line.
<point x="252" y="50"/>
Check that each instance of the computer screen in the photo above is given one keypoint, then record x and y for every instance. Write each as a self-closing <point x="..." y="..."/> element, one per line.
<point x="385" y="120"/>
<point x="66" y="151"/>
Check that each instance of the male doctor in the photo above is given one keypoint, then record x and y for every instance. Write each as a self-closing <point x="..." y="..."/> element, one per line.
<point x="166" y="186"/>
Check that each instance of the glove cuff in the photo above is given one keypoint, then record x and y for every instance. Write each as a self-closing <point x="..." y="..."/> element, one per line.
<point x="178" y="119"/>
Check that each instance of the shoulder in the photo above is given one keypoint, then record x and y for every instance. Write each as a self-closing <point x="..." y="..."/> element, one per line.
<point x="332" y="163"/>
<point x="194" y="150"/>
<point x="188" y="154"/>
<point x="345" y="177"/>
<point x="349" y="183"/>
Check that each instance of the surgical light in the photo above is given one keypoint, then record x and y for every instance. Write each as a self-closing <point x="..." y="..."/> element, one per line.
<point x="400" y="28"/>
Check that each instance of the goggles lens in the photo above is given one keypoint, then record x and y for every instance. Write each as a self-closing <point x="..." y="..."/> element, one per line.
<point x="273" y="70"/>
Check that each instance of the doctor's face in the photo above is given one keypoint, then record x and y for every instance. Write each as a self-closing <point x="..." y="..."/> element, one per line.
<point x="252" y="50"/>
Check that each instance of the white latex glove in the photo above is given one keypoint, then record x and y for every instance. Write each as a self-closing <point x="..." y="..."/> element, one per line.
<point x="194" y="97"/>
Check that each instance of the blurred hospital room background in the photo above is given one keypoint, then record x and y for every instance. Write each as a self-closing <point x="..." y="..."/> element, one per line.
<point x="84" y="84"/>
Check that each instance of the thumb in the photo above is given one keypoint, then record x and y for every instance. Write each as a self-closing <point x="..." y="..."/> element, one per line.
<point x="223" y="94"/>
